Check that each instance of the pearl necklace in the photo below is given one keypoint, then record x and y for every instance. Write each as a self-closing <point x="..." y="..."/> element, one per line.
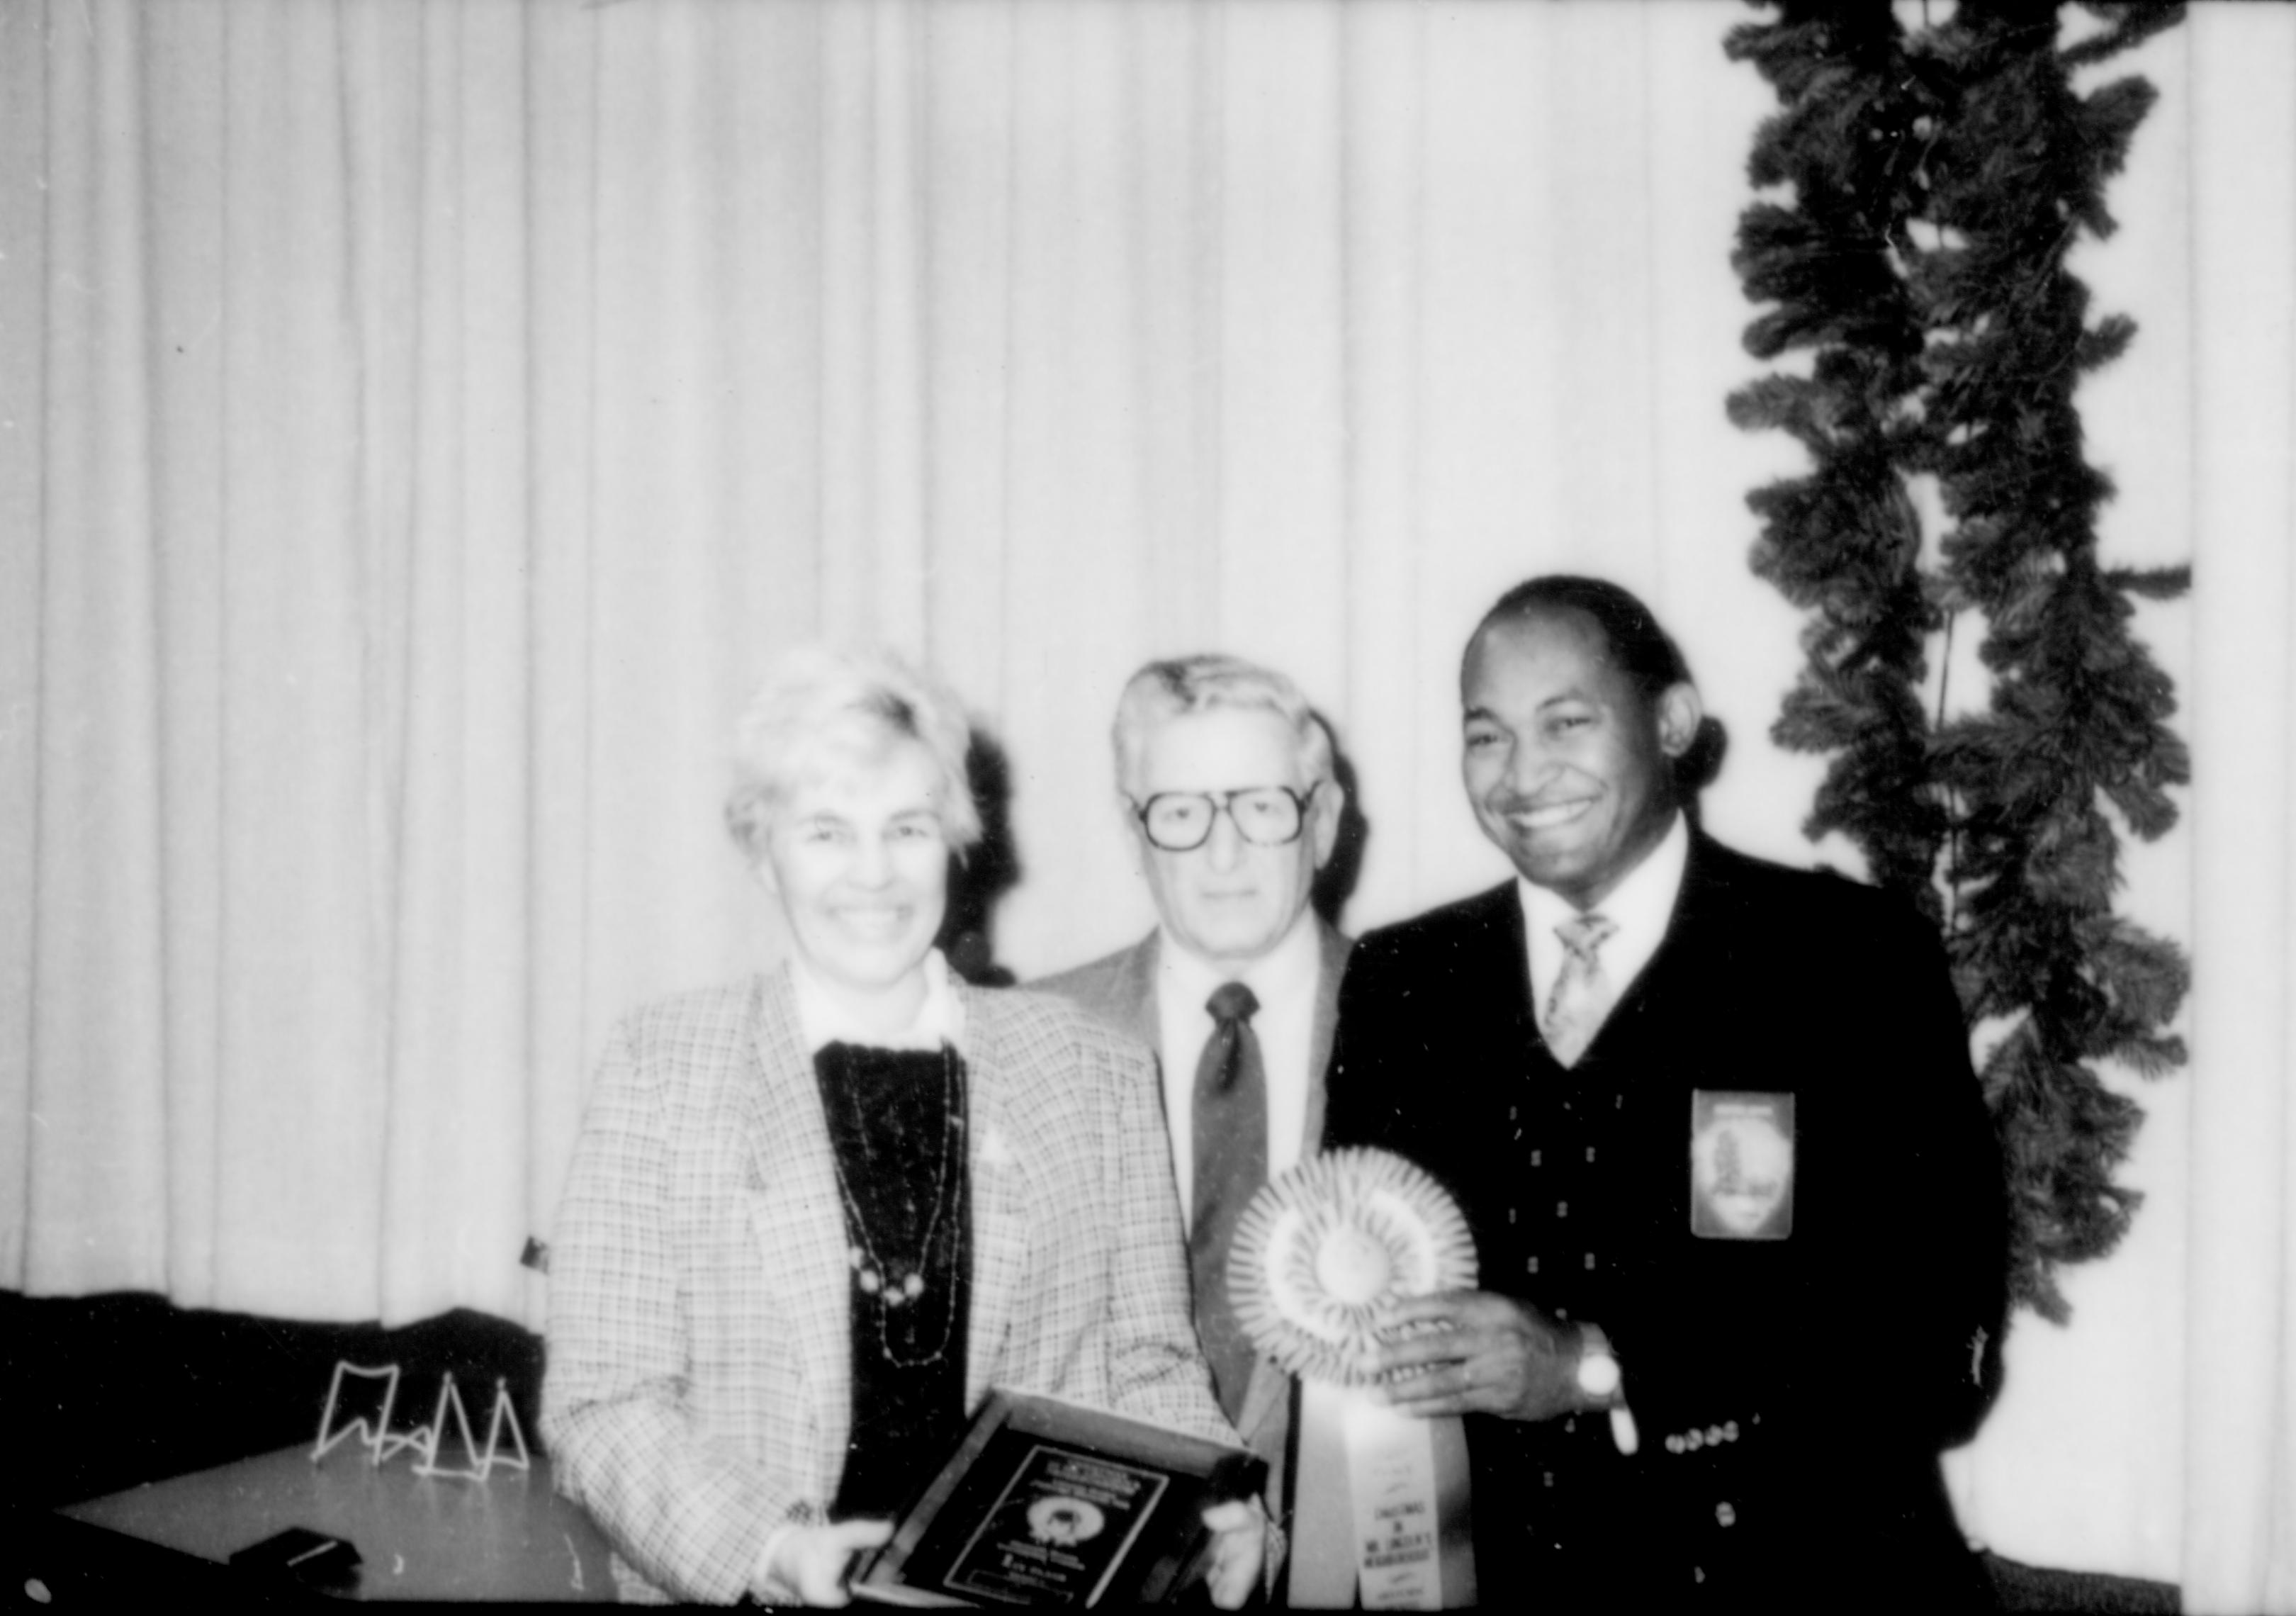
<point x="873" y="1274"/>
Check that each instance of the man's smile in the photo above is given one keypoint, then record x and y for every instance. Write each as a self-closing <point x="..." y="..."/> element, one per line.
<point x="1547" y="817"/>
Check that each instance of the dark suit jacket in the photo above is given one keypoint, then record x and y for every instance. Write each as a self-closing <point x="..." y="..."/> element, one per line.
<point x="1120" y="990"/>
<point x="1832" y="1364"/>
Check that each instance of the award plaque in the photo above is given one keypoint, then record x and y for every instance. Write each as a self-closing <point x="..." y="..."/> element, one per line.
<point x="1048" y="1502"/>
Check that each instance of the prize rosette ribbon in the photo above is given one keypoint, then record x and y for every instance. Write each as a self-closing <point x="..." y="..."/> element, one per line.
<point x="1381" y="1508"/>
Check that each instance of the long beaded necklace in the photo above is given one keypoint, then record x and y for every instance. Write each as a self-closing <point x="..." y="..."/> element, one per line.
<point x="873" y="1275"/>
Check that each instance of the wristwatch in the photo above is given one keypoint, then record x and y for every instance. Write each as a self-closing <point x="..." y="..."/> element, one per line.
<point x="1599" y="1377"/>
<point x="1598" y="1370"/>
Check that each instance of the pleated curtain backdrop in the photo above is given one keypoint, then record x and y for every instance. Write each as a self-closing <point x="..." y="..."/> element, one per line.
<point x="421" y="422"/>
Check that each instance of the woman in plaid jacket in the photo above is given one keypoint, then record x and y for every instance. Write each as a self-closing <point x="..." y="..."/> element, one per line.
<point x="814" y="1216"/>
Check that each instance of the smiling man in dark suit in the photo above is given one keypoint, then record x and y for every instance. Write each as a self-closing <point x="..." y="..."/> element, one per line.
<point x="1735" y="1196"/>
<point x="1228" y="778"/>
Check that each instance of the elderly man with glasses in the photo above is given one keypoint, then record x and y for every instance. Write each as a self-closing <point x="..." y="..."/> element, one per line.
<point x="1227" y="775"/>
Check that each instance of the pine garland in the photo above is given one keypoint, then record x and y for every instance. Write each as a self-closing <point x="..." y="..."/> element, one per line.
<point x="1940" y="174"/>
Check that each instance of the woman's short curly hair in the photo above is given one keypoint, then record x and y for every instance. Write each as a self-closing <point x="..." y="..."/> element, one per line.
<point x="822" y="708"/>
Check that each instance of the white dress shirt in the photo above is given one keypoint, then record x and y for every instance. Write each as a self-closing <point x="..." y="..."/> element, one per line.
<point x="1640" y="908"/>
<point x="1284" y="982"/>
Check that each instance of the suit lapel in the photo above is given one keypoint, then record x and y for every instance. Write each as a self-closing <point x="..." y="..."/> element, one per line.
<point x="1331" y="963"/>
<point x="796" y="1218"/>
<point x="1503" y="914"/>
<point x="1000" y="1220"/>
<point x="1705" y="891"/>
<point x="1136" y="992"/>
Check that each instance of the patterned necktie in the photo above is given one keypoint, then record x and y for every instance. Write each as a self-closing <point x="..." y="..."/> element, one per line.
<point x="1230" y="1124"/>
<point x="1582" y="995"/>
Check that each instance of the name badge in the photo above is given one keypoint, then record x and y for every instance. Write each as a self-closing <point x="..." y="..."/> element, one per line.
<point x="1742" y="1165"/>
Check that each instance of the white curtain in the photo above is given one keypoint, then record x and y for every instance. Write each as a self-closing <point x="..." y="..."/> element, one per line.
<point x="419" y="424"/>
<point x="2240" y="1438"/>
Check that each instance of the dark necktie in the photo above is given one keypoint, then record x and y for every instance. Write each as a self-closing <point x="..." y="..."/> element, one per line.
<point x="1230" y="1124"/>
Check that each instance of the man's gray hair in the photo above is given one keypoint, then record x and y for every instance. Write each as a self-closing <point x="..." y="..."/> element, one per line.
<point x="1176" y="686"/>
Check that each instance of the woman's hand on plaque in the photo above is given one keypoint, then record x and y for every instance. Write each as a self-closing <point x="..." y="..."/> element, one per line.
<point x="1476" y="1352"/>
<point x="814" y="1561"/>
<point x="1239" y="1549"/>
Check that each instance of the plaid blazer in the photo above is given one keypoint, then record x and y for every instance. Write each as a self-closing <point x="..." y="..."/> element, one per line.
<point x="700" y="1383"/>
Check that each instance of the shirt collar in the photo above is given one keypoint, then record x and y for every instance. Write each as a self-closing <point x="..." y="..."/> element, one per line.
<point x="823" y="1020"/>
<point x="1640" y="905"/>
<point x="1282" y="971"/>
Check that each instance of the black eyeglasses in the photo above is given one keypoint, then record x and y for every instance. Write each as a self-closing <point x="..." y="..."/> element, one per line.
<point x="1264" y="815"/>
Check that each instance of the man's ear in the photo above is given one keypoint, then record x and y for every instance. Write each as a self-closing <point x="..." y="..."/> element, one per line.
<point x="1679" y="714"/>
<point x="1324" y="820"/>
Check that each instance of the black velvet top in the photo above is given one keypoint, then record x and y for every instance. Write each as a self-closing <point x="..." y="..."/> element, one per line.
<point x="897" y="1123"/>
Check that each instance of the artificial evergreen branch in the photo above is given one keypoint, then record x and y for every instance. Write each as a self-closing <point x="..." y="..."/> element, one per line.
<point x="1938" y="178"/>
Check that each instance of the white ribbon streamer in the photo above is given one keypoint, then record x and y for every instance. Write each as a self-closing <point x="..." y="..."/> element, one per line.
<point x="1392" y="1477"/>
